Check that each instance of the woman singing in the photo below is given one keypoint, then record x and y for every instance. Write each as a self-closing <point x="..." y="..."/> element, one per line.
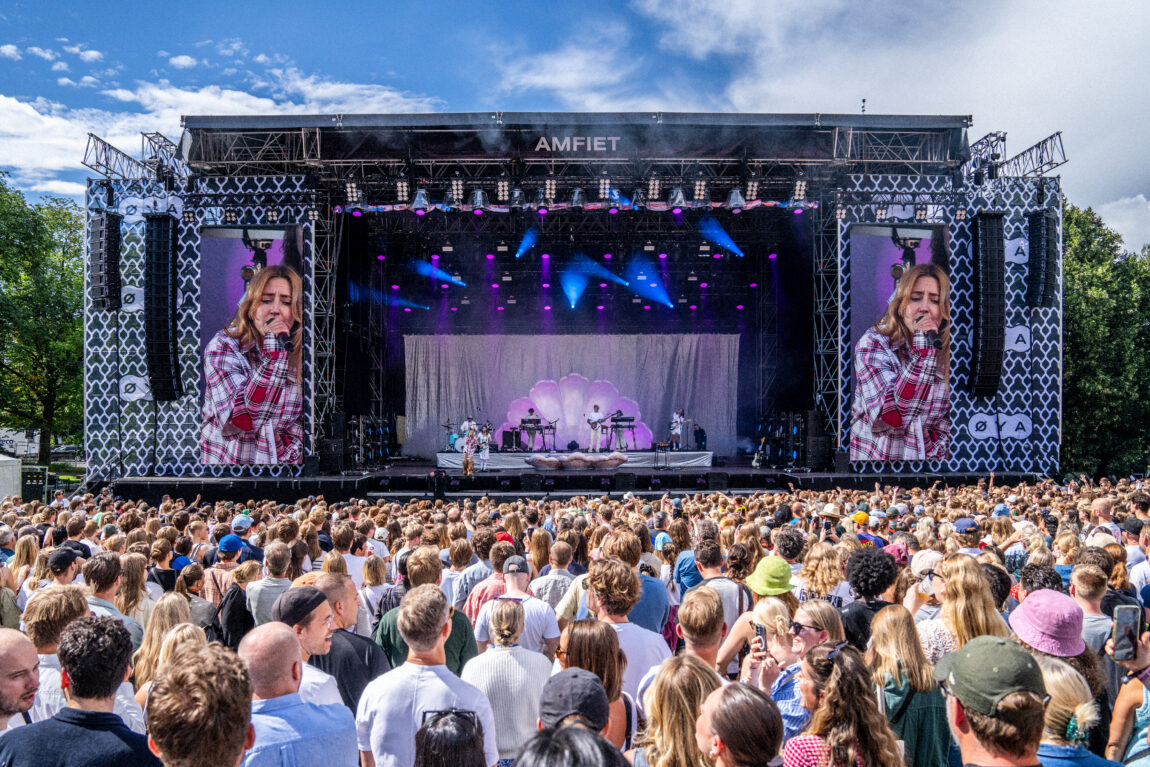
<point x="253" y="403"/>
<point x="901" y="407"/>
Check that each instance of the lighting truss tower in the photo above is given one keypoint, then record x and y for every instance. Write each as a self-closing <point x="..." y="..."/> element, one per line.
<point x="828" y="316"/>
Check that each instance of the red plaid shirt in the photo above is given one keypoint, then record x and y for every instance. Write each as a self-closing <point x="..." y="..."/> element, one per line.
<point x="253" y="405"/>
<point x="901" y="408"/>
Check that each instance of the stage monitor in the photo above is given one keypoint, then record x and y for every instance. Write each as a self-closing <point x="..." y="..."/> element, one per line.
<point x="899" y="319"/>
<point x="251" y="346"/>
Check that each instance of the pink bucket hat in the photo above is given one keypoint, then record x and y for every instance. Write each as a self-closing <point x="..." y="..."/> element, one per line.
<point x="1050" y="622"/>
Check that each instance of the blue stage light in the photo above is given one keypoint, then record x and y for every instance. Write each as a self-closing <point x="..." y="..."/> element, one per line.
<point x="573" y="284"/>
<point x="530" y="237"/>
<point x="640" y="271"/>
<point x="713" y="232"/>
<point x="425" y="269"/>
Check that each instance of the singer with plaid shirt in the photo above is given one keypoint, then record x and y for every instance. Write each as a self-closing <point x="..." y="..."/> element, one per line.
<point x="901" y="405"/>
<point x="253" y="404"/>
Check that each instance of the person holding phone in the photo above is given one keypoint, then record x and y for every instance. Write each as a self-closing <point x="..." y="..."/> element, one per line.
<point x="901" y="407"/>
<point x="253" y="402"/>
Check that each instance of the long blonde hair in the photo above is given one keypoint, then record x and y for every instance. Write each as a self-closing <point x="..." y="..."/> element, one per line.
<point x="891" y="324"/>
<point x="242" y="326"/>
<point x="1070" y="696"/>
<point x="896" y="650"/>
<point x="672" y="703"/>
<point x="172" y="610"/>
<point x="134" y="573"/>
<point x="822" y="570"/>
<point x="967" y="606"/>
<point x="772" y="614"/>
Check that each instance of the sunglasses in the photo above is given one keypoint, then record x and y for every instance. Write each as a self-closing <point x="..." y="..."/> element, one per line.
<point x="831" y="655"/>
<point x="431" y="717"/>
<point x="798" y="628"/>
<point x="929" y="574"/>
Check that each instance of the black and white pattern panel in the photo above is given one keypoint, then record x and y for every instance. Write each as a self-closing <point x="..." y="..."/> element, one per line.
<point x="1020" y="429"/>
<point x="127" y="432"/>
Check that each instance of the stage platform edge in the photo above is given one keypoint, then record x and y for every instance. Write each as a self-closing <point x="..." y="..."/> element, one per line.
<point x="646" y="459"/>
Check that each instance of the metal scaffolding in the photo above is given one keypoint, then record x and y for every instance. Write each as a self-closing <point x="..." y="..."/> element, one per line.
<point x="110" y="162"/>
<point x="828" y="317"/>
<point x="327" y="234"/>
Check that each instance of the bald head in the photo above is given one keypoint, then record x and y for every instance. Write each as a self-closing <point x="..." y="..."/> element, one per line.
<point x="271" y="653"/>
<point x="1100" y="507"/>
<point x="19" y="673"/>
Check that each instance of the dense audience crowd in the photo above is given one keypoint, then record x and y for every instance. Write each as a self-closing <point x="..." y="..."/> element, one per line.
<point x="975" y="625"/>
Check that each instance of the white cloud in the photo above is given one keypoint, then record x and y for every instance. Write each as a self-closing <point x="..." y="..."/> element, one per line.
<point x="163" y="54"/>
<point x="60" y="66"/>
<point x="55" y="186"/>
<point x="91" y="56"/>
<point x="259" y="59"/>
<point x="10" y="52"/>
<point x="182" y="62"/>
<point x="232" y="46"/>
<point x="44" y="53"/>
<point x="88" y="81"/>
<point x="66" y="81"/>
<point x="1130" y="216"/>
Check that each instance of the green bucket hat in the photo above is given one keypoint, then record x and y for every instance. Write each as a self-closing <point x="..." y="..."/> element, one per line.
<point x="772" y="576"/>
<point x="986" y="670"/>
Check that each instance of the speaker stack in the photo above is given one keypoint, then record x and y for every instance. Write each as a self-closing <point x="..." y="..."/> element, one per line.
<point x="989" y="304"/>
<point x="160" y="335"/>
<point x="1042" y="263"/>
<point x="104" y="254"/>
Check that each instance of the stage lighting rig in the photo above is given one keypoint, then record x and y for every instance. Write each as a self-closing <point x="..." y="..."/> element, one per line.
<point x="457" y="186"/>
<point x="736" y="201"/>
<point x="541" y="201"/>
<point x="549" y="186"/>
<point x="653" y="188"/>
<point x="920" y="213"/>
<point x="518" y="199"/>
<point x="881" y="211"/>
<point x="312" y="214"/>
<point x="676" y="201"/>
<point x="351" y="188"/>
<point x="700" y="189"/>
<point x="578" y="198"/>
<point x="800" y="191"/>
<point x="502" y="188"/>
<point x="402" y="188"/>
<point x="189" y="216"/>
<point x="422" y="202"/>
<point x="231" y="216"/>
<point x="960" y="213"/>
<point x="273" y="215"/>
<point x="604" y="186"/>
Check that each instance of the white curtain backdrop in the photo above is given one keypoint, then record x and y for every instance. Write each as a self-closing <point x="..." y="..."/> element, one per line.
<point x="495" y="378"/>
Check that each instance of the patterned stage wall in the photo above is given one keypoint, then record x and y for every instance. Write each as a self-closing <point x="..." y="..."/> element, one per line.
<point x="1019" y="430"/>
<point x="127" y="433"/>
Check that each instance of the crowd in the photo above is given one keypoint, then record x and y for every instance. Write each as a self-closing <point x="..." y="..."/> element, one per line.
<point x="976" y="625"/>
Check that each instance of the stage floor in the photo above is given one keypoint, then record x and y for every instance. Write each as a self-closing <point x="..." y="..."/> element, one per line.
<point x="646" y="459"/>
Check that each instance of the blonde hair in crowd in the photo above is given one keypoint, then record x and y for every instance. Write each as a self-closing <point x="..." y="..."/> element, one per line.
<point x="895" y="650"/>
<point x="822" y="570"/>
<point x="967" y="607"/>
<point x="1070" y="696"/>
<point x="672" y="703"/>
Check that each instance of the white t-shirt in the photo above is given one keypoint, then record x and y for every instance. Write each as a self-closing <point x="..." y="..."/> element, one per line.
<point x="355" y="568"/>
<point x="1140" y="576"/>
<point x="539" y="622"/>
<point x="644" y="650"/>
<point x="391" y="711"/>
<point x="318" y="687"/>
<point x="840" y="596"/>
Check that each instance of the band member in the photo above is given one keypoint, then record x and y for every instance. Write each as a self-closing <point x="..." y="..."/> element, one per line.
<point x="531" y="429"/>
<point x="677" y="421"/>
<point x="595" y="421"/>
<point x="901" y="407"/>
<point x="253" y="406"/>
<point x="484" y="448"/>
<point x="700" y="437"/>
<point x="470" y="443"/>
<point x="468" y="424"/>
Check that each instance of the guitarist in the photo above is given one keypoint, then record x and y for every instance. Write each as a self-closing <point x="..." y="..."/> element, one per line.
<point x="595" y="421"/>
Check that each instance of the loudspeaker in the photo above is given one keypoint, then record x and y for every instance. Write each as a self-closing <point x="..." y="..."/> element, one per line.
<point x="625" y="482"/>
<point x="531" y="483"/>
<point x="509" y="440"/>
<point x="331" y="455"/>
<point x="104" y="254"/>
<point x="160" y="307"/>
<point x="719" y="480"/>
<point x="1042" y="263"/>
<point x="989" y="304"/>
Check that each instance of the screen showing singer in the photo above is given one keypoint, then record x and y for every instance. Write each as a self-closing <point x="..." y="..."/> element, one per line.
<point x="901" y="405"/>
<point x="253" y="402"/>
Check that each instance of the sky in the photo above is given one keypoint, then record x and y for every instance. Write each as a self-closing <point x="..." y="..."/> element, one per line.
<point x="1028" y="68"/>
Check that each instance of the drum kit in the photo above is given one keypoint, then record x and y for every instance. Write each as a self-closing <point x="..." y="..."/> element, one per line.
<point x="455" y="440"/>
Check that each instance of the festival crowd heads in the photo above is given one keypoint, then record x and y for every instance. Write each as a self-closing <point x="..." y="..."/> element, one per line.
<point x="978" y="625"/>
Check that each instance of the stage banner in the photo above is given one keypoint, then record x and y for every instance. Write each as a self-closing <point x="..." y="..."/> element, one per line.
<point x="499" y="378"/>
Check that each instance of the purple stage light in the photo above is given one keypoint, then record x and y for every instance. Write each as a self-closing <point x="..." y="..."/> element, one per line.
<point x="646" y="306"/>
<point x="499" y="308"/>
<point x="421" y="212"/>
<point x="478" y="211"/>
<point x="546" y="255"/>
<point x="444" y="286"/>
<point x="395" y="287"/>
<point x="717" y="255"/>
<point x="547" y="284"/>
<point x="654" y="284"/>
<point x="798" y="211"/>
<point x="773" y="255"/>
<point x="613" y="209"/>
<point x="602" y="284"/>
<point x="693" y="306"/>
<point x="600" y="307"/>
<point x="542" y="211"/>
<point x="455" y="308"/>
<point x="407" y="308"/>
<point x="663" y="256"/>
<point x="754" y="284"/>
<point x="677" y="211"/>
<point x="494" y="285"/>
<point x="702" y="284"/>
<point x="607" y="256"/>
<point x="490" y="256"/>
<point x="357" y="213"/>
<point x="381" y="258"/>
<point x="546" y="308"/>
<point x="740" y="306"/>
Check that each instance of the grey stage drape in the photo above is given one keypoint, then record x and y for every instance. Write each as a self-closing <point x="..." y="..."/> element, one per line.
<point x="492" y="377"/>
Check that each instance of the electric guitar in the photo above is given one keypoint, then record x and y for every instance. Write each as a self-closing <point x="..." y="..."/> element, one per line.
<point x="757" y="461"/>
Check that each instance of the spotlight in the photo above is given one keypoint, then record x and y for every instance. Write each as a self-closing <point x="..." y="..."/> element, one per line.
<point x="752" y="190"/>
<point x="578" y="198"/>
<point x="541" y="201"/>
<point x="676" y="201"/>
<point x="920" y="213"/>
<point x="457" y="186"/>
<point x="312" y="214"/>
<point x="230" y="216"/>
<point x="352" y="190"/>
<point x="736" y="201"/>
<point x="421" y="202"/>
<point x="604" y="186"/>
<point x="638" y="198"/>
<point x="401" y="190"/>
<point x="840" y="212"/>
<point x="549" y="186"/>
<point x="189" y="216"/>
<point x="881" y="211"/>
<point x="653" y="188"/>
<point x="800" y="192"/>
<point x="959" y="213"/>
<point x="502" y="187"/>
<point x="478" y="201"/>
<point x="247" y="271"/>
<point x="700" y="189"/>
<point x="518" y="199"/>
<point x="273" y="215"/>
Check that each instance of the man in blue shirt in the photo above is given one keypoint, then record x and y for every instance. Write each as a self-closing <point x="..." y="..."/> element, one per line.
<point x="654" y="605"/>
<point x="286" y="728"/>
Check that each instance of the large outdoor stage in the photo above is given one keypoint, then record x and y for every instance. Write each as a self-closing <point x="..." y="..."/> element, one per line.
<point x="655" y="459"/>
<point x="703" y="278"/>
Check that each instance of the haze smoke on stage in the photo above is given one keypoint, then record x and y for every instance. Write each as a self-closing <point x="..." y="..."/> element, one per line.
<point x="583" y="263"/>
<point x="714" y="232"/>
<point x="645" y="282"/>
<point x="530" y="237"/>
<point x="425" y="269"/>
<point x="357" y="293"/>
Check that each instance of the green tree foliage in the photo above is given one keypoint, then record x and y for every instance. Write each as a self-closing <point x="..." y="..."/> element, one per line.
<point x="41" y="316"/>
<point x="1106" y="354"/>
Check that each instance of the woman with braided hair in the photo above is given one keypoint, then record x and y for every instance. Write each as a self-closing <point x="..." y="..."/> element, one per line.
<point x="512" y="678"/>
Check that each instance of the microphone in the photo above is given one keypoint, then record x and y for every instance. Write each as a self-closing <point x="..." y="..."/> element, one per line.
<point x="285" y="339"/>
<point x="931" y="338"/>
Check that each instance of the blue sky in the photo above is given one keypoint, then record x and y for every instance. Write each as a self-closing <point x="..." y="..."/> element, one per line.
<point x="1027" y="67"/>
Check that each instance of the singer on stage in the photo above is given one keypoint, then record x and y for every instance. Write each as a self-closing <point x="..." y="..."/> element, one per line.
<point x="253" y="404"/>
<point x="901" y="407"/>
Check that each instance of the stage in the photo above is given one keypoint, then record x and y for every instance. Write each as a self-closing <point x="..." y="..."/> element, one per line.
<point x="645" y="459"/>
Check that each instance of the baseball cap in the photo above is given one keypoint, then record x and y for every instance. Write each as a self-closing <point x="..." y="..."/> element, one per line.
<point x="515" y="564"/>
<point x="504" y="537"/>
<point x="661" y="541"/>
<point x="1050" y="622"/>
<point x="860" y="517"/>
<point x="898" y="551"/>
<point x="61" y="559"/>
<point x="295" y="604"/>
<point x="771" y="577"/>
<point x="231" y="542"/>
<point x="241" y="523"/>
<point x="574" y="691"/>
<point x="965" y="525"/>
<point x="924" y="560"/>
<point x="986" y="670"/>
<point x="1132" y="526"/>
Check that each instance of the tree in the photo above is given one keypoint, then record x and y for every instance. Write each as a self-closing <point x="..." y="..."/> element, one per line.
<point x="1106" y="349"/>
<point x="41" y="316"/>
